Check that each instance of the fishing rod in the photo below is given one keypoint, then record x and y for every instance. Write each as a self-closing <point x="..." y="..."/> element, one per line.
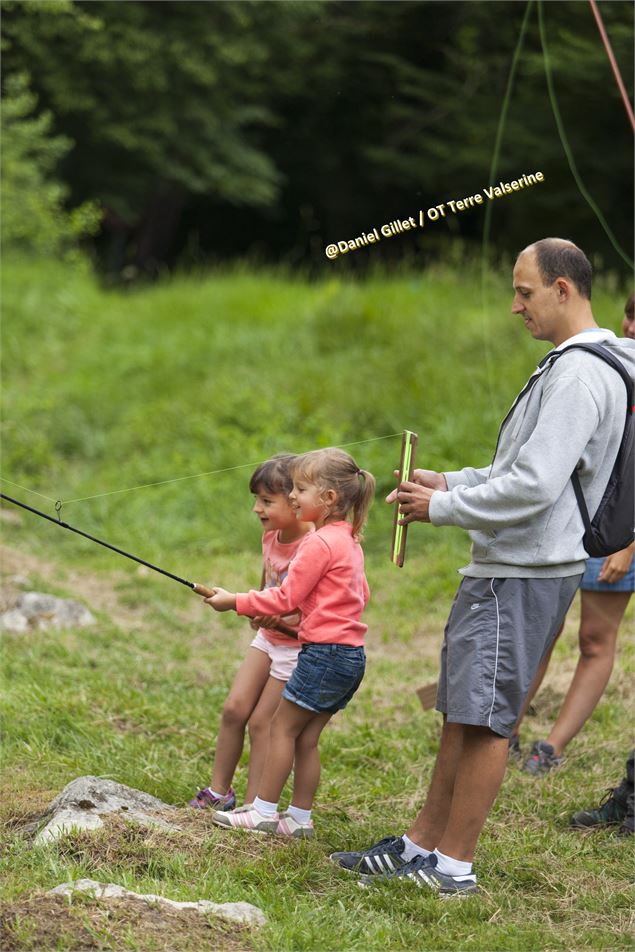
<point x="201" y="590"/>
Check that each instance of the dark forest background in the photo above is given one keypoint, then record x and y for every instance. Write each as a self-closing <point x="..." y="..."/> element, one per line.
<point x="182" y="133"/>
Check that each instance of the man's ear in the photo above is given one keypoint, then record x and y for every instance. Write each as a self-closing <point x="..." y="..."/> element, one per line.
<point x="563" y="289"/>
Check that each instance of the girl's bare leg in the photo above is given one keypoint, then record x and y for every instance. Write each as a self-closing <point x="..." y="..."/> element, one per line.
<point x="259" y="728"/>
<point x="287" y="724"/>
<point x="601" y="614"/>
<point x="306" y="772"/>
<point x="243" y="696"/>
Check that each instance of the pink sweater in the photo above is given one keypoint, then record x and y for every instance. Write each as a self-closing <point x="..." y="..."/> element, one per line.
<point x="276" y="557"/>
<point x="326" y="582"/>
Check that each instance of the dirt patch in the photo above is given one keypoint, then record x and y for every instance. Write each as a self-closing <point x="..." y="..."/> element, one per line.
<point x="54" y="922"/>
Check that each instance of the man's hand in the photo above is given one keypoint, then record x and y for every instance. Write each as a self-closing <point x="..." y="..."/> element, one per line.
<point x="414" y="502"/>
<point x="422" y="477"/>
<point x="221" y="601"/>
<point x="414" y="496"/>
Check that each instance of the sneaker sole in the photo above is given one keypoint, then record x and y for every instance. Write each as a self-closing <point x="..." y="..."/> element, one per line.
<point x="367" y="881"/>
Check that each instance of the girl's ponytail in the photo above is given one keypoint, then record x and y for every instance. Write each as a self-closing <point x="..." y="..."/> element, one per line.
<point x="363" y="502"/>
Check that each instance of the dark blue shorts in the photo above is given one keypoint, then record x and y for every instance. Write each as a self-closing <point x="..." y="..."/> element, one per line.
<point x="326" y="677"/>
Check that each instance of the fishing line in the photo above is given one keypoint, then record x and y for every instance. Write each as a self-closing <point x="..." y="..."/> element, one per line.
<point x="35" y="493"/>
<point x="565" y="143"/>
<point x="177" y="479"/>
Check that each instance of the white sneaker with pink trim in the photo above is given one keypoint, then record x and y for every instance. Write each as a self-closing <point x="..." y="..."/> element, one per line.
<point x="246" y="819"/>
<point x="289" y="826"/>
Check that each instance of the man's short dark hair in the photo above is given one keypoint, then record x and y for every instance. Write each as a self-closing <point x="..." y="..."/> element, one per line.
<point x="562" y="259"/>
<point x="273" y="475"/>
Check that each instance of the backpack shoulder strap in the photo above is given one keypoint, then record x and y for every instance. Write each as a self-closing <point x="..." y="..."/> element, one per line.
<point x="604" y="354"/>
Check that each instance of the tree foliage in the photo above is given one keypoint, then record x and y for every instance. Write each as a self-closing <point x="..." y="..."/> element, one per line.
<point x="280" y="126"/>
<point x="34" y="216"/>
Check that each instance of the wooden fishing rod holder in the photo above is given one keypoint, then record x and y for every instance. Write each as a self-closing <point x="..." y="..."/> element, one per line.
<point x="406" y="470"/>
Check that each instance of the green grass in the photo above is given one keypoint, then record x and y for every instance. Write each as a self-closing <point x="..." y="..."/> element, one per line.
<point x="107" y="390"/>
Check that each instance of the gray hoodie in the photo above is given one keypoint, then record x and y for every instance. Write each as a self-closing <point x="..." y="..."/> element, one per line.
<point x="521" y="510"/>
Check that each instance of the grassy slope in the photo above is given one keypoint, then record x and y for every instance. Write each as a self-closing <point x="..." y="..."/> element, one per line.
<point x="106" y="391"/>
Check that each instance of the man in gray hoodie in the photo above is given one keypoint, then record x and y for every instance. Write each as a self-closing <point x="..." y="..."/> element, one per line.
<point x="526" y="562"/>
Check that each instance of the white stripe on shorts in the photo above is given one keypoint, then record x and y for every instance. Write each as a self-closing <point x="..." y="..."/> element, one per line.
<point x="498" y="631"/>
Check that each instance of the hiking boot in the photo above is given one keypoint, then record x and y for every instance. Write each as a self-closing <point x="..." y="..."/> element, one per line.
<point x="628" y="824"/>
<point x="611" y="811"/>
<point x="422" y="871"/>
<point x="206" y="800"/>
<point x="383" y="857"/>
<point x="542" y="759"/>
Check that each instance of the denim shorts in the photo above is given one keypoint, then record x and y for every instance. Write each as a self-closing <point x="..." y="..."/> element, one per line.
<point x="326" y="677"/>
<point x="591" y="583"/>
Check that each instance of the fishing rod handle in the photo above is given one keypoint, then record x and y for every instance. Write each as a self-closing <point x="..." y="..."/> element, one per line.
<point x="202" y="590"/>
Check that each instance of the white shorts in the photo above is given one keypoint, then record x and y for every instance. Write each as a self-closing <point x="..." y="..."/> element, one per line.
<point x="283" y="659"/>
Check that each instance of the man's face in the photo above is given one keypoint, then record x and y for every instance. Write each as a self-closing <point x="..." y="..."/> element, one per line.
<point x="537" y="305"/>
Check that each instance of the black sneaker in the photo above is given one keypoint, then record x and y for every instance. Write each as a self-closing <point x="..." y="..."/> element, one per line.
<point x="422" y="872"/>
<point x="383" y="857"/>
<point x="542" y="759"/>
<point x="611" y="811"/>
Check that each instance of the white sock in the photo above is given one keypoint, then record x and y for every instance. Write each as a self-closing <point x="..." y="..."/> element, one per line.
<point x="265" y="807"/>
<point x="299" y="815"/>
<point x="413" y="849"/>
<point x="453" y="867"/>
<point x="219" y="796"/>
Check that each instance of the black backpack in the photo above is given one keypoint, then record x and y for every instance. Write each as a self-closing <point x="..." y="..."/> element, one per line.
<point x="611" y="528"/>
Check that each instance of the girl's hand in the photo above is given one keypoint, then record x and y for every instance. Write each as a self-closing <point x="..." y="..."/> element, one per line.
<point x="617" y="565"/>
<point x="221" y="601"/>
<point x="265" y="621"/>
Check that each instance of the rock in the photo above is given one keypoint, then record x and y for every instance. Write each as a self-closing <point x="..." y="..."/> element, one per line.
<point x="243" y="913"/>
<point x="13" y="620"/>
<point x="65" y="821"/>
<point x="37" y="610"/>
<point x="83" y="801"/>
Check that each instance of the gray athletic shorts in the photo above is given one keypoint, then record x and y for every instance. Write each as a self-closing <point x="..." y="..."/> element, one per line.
<point x="497" y="632"/>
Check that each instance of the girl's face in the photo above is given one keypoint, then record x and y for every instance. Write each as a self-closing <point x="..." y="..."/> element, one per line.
<point x="311" y="503"/>
<point x="628" y="326"/>
<point x="274" y="510"/>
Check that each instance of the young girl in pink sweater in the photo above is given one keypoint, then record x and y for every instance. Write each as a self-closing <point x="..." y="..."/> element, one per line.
<point x="326" y="582"/>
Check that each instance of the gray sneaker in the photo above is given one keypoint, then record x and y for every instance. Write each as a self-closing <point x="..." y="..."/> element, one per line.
<point x="422" y="871"/>
<point x="542" y="759"/>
